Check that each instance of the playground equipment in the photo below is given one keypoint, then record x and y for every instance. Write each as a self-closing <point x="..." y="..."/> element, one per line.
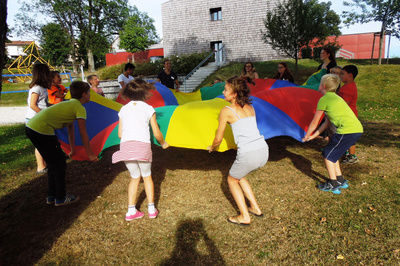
<point x="22" y="66"/>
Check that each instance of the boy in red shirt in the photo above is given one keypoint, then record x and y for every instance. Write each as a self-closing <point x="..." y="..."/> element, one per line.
<point x="349" y="93"/>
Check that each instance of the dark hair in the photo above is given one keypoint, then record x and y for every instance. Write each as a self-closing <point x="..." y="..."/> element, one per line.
<point x="331" y="53"/>
<point x="90" y="78"/>
<point x="53" y="74"/>
<point x="166" y="60"/>
<point x="137" y="90"/>
<point x="129" y="66"/>
<point x="239" y="86"/>
<point x="287" y="75"/>
<point x="77" y="88"/>
<point x="244" y="71"/>
<point x="352" y="69"/>
<point x="40" y="76"/>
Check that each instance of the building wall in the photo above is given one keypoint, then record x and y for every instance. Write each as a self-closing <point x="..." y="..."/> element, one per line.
<point x="361" y="45"/>
<point x="187" y="28"/>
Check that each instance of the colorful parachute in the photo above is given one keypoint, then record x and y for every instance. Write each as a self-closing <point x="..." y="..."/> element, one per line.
<point x="314" y="80"/>
<point x="190" y="120"/>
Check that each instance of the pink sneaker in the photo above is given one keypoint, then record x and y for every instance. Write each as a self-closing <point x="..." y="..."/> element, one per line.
<point x="153" y="215"/>
<point x="137" y="215"/>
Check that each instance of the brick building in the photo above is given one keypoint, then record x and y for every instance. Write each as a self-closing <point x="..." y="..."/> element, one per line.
<point x="193" y="26"/>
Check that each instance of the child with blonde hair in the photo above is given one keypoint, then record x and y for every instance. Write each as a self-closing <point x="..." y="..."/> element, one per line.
<point x="348" y="131"/>
<point x="135" y="148"/>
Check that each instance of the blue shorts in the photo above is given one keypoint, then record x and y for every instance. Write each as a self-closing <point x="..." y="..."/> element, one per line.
<point x="338" y="145"/>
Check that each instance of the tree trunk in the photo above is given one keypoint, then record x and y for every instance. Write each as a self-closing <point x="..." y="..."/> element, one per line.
<point x="90" y="61"/>
<point x="3" y="33"/>
<point x="381" y="38"/>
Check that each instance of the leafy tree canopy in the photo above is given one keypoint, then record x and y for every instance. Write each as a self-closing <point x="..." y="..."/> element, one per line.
<point x="90" y="23"/>
<point x="298" y="23"/>
<point x="138" y="32"/>
<point x="385" y="11"/>
<point x="55" y="44"/>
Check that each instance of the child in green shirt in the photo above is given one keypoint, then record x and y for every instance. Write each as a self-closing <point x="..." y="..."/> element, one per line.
<point x="348" y="131"/>
<point x="41" y="131"/>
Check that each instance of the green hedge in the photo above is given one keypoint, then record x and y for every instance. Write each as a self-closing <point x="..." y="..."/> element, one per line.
<point x="181" y="65"/>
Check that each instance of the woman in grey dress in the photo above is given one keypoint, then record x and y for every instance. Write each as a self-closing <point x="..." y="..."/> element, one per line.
<point x="252" y="149"/>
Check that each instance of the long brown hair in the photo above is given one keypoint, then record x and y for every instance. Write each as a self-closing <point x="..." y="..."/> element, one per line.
<point x="41" y="76"/>
<point x="287" y="75"/>
<point x="137" y="90"/>
<point x="239" y="86"/>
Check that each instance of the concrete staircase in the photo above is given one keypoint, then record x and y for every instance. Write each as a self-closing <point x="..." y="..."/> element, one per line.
<point x="198" y="77"/>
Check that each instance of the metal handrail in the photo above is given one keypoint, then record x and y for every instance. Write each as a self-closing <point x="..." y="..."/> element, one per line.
<point x="199" y="65"/>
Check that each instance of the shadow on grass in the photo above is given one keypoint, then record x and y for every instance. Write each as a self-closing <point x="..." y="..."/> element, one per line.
<point x="188" y="159"/>
<point x="188" y="235"/>
<point x="381" y="134"/>
<point x="28" y="227"/>
<point x="278" y="151"/>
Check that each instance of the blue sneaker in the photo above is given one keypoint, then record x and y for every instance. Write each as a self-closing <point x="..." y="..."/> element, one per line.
<point x="327" y="186"/>
<point x="344" y="184"/>
<point x="68" y="199"/>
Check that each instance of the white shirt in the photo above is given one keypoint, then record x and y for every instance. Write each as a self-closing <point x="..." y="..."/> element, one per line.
<point x="41" y="102"/>
<point x="135" y="117"/>
<point x="125" y="79"/>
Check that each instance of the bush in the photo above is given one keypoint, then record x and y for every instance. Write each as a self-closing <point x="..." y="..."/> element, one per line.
<point x="181" y="65"/>
<point x="110" y="72"/>
<point x="306" y="52"/>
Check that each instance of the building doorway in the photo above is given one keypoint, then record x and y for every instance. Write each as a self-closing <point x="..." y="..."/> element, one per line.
<point x="217" y="47"/>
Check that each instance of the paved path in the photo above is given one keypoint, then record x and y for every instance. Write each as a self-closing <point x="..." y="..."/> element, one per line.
<point x="12" y="115"/>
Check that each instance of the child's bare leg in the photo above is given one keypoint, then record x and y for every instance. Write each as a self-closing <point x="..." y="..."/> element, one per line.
<point x="352" y="150"/>
<point x="249" y="194"/>
<point x="132" y="191"/>
<point x="149" y="188"/>
<point x="41" y="164"/>
<point x="238" y="196"/>
<point x="337" y="169"/>
<point x="331" y="167"/>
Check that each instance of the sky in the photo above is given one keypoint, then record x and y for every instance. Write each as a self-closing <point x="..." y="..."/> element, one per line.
<point x="153" y="9"/>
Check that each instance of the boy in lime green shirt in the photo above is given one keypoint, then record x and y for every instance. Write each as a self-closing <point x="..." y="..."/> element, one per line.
<point x="348" y="131"/>
<point x="41" y="131"/>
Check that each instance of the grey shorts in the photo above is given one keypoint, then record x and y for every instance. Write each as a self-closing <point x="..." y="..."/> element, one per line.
<point x="248" y="161"/>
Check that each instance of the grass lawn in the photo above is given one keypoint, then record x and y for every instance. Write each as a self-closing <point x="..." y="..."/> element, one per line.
<point x="301" y="225"/>
<point x="18" y="98"/>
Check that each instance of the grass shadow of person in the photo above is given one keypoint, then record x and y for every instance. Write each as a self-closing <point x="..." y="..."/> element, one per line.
<point x="190" y="159"/>
<point x="188" y="235"/>
<point x="29" y="227"/>
<point x="278" y="150"/>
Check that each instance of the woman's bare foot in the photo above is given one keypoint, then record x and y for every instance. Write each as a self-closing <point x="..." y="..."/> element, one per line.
<point x="256" y="212"/>
<point x="239" y="220"/>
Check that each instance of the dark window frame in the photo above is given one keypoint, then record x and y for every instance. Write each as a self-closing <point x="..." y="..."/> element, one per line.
<point x="216" y="14"/>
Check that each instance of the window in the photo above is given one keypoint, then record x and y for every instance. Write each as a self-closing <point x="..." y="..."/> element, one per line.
<point x="216" y="14"/>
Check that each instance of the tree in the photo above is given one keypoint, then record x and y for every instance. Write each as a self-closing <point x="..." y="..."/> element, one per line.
<point x="3" y="38"/>
<point x="138" y="32"/>
<point x="86" y="21"/>
<point x="297" y="23"/>
<point x="55" y="44"/>
<point x="385" y="11"/>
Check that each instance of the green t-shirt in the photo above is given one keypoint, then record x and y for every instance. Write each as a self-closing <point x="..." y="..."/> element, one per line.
<point x="339" y="113"/>
<point x="57" y="116"/>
